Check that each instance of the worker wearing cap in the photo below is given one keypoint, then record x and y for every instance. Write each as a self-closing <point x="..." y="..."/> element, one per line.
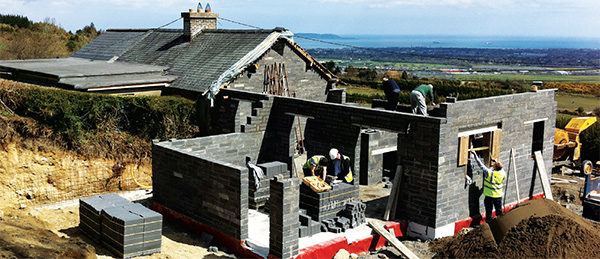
<point x="392" y="92"/>
<point x="417" y="99"/>
<point x="316" y="164"/>
<point x="339" y="166"/>
<point x="493" y="187"/>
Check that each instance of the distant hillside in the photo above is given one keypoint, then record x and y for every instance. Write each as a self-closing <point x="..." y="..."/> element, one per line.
<point x="21" y="38"/>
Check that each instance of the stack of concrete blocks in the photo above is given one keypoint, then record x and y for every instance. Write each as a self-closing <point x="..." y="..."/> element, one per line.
<point x="308" y="227"/>
<point x="283" y="217"/>
<point x="325" y="205"/>
<point x="259" y="196"/>
<point x="126" y="228"/>
<point x="355" y="213"/>
<point x="90" y="213"/>
<point x="131" y="230"/>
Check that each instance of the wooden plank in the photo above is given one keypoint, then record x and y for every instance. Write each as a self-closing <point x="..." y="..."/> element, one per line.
<point x="463" y="150"/>
<point x="541" y="169"/>
<point x="479" y="148"/>
<point x="390" y="209"/>
<point x="392" y="239"/>
<point x="514" y="168"/>
<point x="496" y="143"/>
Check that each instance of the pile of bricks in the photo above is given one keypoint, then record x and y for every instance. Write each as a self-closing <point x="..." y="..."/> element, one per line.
<point x="355" y="213"/>
<point x="128" y="229"/>
<point x="258" y="197"/>
<point x="325" y="205"/>
<point x="308" y="227"/>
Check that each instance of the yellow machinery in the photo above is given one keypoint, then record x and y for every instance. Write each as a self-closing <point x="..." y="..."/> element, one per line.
<point x="567" y="147"/>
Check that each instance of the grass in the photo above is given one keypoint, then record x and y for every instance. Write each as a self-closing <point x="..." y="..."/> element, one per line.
<point x="545" y="78"/>
<point x="574" y="101"/>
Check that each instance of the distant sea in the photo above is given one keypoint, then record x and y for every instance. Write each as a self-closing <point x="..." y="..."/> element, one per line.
<point x="493" y="42"/>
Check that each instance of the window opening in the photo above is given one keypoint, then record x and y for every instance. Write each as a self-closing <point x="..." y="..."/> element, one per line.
<point x="485" y="144"/>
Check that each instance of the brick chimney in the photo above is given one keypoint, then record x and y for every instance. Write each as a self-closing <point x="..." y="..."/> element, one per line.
<point x="196" y="21"/>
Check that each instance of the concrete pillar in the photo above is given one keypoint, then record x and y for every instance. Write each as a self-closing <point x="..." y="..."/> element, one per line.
<point x="284" y="221"/>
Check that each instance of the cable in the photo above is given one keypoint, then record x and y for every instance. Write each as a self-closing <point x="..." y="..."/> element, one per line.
<point x="169" y="23"/>
<point x="136" y="182"/>
<point x="240" y="23"/>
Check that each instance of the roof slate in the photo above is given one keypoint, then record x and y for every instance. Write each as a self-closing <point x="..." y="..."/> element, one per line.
<point x="110" y="43"/>
<point x="199" y="62"/>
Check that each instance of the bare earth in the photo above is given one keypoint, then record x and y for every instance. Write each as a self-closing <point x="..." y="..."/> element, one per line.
<point x="27" y="177"/>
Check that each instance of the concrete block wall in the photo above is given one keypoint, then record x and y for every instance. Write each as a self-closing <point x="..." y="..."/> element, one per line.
<point x="206" y="179"/>
<point x="374" y="144"/>
<point x="418" y="154"/>
<point x="518" y="112"/>
<point x="337" y="95"/>
<point x="245" y="114"/>
<point x="434" y="193"/>
<point x="330" y="125"/>
<point x="284" y="216"/>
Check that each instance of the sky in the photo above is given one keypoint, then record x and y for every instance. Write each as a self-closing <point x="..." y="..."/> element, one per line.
<point x="534" y="18"/>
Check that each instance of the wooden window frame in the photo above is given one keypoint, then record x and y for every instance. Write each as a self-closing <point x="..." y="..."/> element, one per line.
<point x="490" y="149"/>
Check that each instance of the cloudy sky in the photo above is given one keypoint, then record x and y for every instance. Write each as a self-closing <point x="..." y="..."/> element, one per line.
<point x="555" y="18"/>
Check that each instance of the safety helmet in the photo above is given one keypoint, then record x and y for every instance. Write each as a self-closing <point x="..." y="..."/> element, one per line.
<point x="333" y="153"/>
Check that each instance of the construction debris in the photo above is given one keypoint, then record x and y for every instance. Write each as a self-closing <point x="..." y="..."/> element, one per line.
<point x="392" y="239"/>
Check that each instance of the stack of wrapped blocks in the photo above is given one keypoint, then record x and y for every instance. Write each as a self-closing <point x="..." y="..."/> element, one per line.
<point x="128" y="229"/>
<point x="258" y="196"/>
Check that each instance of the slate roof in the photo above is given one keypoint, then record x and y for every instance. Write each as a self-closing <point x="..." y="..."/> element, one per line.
<point x="210" y="59"/>
<point x="199" y="62"/>
<point x="111" y="43"/>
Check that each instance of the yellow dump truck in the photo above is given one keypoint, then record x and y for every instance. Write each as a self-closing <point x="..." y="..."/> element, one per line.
<point x="567" y="147"/>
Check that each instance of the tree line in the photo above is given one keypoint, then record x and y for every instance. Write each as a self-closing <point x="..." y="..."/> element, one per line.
<point x="21" y="38"/>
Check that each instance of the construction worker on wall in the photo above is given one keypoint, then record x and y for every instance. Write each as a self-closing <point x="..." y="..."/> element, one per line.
<point x="339" y="166"/>
<point x="493" y="187"/>
<point x="316" y="164"/>
<point x="392" y="92"/>
<point x="417" y="99"/>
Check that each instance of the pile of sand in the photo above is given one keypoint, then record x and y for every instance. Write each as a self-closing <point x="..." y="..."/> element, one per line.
<point x="538" y="228"/>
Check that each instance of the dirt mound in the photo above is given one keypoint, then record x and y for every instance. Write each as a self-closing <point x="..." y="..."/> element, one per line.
<point x="24" y="236"/>
<point x="537" y="228"/>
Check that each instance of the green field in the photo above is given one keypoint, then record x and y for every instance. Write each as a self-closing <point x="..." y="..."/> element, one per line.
<point x="573" y="101"/>
<point x="545" y="78"/>
<point x="373" y="64"/>
<point x="564" y="101"/>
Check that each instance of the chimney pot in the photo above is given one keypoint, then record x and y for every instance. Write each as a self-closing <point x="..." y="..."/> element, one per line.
<point x="208" y="10"/>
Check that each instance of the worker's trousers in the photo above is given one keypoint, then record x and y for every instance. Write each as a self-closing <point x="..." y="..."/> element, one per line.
<point x="417" y="103"/>
<point x="490" y="203"/>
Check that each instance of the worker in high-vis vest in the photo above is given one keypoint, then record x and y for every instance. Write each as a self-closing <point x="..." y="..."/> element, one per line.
<point x="316" y="165"/>
<point x="339" y="166"/>
<point x="493" y="187"/>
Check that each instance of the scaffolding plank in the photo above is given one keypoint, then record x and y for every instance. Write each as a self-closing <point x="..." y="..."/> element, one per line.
<point x="541" y="169"/>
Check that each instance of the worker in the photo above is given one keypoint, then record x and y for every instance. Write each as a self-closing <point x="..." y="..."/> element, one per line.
<point x="392" y="92"/>
<point x="493" y="187"/>
<point x="316" y="164"/>
<point x="339" y="166"/>
<point x="417" y="99"/>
